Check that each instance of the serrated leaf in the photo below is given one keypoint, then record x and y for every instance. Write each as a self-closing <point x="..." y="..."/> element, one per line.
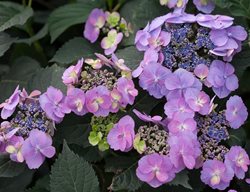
<point x="68" y="15"/>
<point x="49" y="76"/>
<point x="72" y="173"/>
<point x="131" y="56"/>
<point x="21" y="71"/>
<point x="181" y="179"/>
<point x="41" y="34"/>
<point x="76" y="134"/>
<point x="127" y="180"/>
<point x="139" y="12"/>
<point x="12" y="14"/>
<point x="5" y="42"/>
<point x="73" y="50"/>
<point x="9" y="168"/>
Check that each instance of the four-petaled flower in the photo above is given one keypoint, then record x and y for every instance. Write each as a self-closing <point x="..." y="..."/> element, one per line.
<point x="109" y="43"/>
<point x="122" y="135"/>
<point x="155" y="169"/>
<point x="36" y="147"/>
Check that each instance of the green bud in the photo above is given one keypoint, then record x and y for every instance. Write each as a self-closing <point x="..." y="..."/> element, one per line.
<point x="113" y="19"/>
<point x="95" y="138"/>
<point x="103" y="145"/>
<point x="139" y="144"/>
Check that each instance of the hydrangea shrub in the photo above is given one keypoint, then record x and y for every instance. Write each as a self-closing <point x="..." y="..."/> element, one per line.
<point x="146" y="96"/>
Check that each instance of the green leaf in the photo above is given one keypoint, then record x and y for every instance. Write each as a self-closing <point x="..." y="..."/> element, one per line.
<point x="76" y="134"/>
<point x="9" y="168"/>
<point x="18" y="183"/>
<point x="139" y="12"/>
<point x="241" y="61"/>
<point x="72" y="173"/>
<point x="239" y="8"/>
<point x="73" y="50"/>
<point x="114" y="163"/>
<point x="181" y="179"/>
<point x="127" y="180"/>
<point x="5" y="42"/>
<point x="68" y="15"/>
<point x="45" y="77"/>
<point x="237" y="137"/>
<point x="12" y="14"/>
<point x="41" y="34"/>
<point x="90" y="154"/>
<point x="21" y="71"/>
<point x="131" y="56"/>
<point x="41" y="185"/>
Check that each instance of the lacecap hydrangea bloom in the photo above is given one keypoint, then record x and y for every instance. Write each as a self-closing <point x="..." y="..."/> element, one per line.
<point x="184" y="56"/>
<point x="30" y="122"/>
<point x="100" y="86"/>
<point x="111" y="25"/>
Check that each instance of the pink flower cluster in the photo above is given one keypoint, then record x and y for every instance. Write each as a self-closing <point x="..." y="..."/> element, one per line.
<point x="110" y="24"/>
<point x="103" y="95"/>
<point x="26" y="136"/>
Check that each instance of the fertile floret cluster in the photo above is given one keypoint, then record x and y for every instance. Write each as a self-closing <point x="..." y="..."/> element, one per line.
<point x="99" y="86"/>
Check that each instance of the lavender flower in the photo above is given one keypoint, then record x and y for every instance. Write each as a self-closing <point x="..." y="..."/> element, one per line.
<point x="98" y="101"/>
<point x="236" y="112"/>
<point x="36" y="147"/>
<point x="198" y="101"/>
<point x="9" y="106"/>
<point x="155" y="170"/>
<point x="215" y="174"/>
<point x="206" y="6"/>
<point x="127" y="89"/>
<point x="179" y="82"/>
<point x="150" y="56"/>
<point x="178" y="5"/>
<point x="201" y="71"/>
<point x="14" y="149"/>
<point x="109" y="43"/>
<point x="6" y="138"/>
<point x="116" y="99"/>
<point x="176" y="127"/>
<point x="153" y="79"/>
<point x="238" y="160"/>
<point x="227" y="41"/>
<point x="178" y="109"/>
<point x="71" y="75"/>
<point x="76" y="101"/>
<point x="94" y="23"/>
<point x="184" y="150"/>
<point x="222" y="78"/>
<point x="214" y="21"/>
<point x="53" y="103"/>
<point x="122" y="135"/>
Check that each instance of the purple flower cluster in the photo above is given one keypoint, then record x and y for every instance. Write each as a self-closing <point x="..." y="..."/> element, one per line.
<point x="110" y="24"/>
<point x="26" y="133"/>
<point x="193" y="43"/>
<point x="183" y="54"/>
<point x="97" y="86"/>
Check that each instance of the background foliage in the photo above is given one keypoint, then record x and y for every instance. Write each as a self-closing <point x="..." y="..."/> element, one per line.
<point x="37" y="41"/>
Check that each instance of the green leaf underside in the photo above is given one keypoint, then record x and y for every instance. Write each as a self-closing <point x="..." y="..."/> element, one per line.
<point x="72" y="173"/>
